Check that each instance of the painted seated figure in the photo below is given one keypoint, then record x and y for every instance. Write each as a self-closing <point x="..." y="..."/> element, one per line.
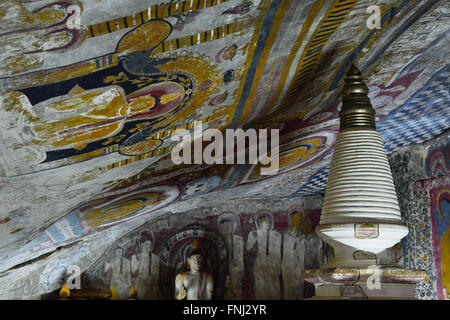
<point x="194" y="284"/>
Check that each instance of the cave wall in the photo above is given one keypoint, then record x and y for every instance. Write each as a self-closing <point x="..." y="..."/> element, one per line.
<point x="234" y="245"/>
<point x="422" y="179"/>
<point x="285" y="75"/>
<point x="150" y="256"/>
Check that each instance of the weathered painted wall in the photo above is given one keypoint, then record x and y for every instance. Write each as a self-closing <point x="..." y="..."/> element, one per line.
<point x="421" y="175"/>
<point x="422" y="178"/>
<point x="86" y="114"/>
<point x="261" y="265"/>
<point x="152" y="253"/>
<point x="77" y="125"/>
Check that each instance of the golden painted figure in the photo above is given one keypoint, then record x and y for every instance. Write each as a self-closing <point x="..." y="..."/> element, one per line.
<point x="93" y="110"/>
<point x="118" y="209"/>
<point x="194" y="284"/>
<point x="292" y="156"/>
<point x="81" y="117"/>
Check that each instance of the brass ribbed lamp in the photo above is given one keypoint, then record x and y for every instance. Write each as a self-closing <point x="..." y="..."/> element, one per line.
<point x="360" y="209"/>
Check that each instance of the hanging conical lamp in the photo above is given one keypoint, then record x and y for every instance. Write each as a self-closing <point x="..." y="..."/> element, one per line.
<point x="360" y="216"/>
<point x="360" y="208"/>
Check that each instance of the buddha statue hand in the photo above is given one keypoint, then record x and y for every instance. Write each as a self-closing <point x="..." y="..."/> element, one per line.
<point x="179" y="287"/>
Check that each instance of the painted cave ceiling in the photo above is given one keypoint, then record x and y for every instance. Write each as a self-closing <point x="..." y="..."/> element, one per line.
<point x="87" y="111"/>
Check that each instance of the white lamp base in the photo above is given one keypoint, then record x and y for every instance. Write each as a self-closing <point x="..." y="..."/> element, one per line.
<point x="350" y="239"/>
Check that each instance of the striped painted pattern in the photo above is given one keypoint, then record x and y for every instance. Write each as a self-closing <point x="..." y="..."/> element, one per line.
<point x="337" y="13"/>
<point x="153" y="12"/>
<point x="205" y="36"/>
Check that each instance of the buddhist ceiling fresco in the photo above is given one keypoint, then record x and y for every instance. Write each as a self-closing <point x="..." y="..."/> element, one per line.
<point x="88" y="107"/>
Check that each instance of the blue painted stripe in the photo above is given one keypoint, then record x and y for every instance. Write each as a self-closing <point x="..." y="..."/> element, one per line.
<point x="75" y="223"/>
<point x="54" y="233"/>
<point x="265" y="31"/>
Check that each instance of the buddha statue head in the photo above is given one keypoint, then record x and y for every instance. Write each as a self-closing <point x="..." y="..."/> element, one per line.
<point x="196" y="259"/>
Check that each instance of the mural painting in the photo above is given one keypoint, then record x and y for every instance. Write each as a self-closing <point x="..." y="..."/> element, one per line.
<point x="118" y="104"/>
<point x="294" y="242"/>
<point x="98" y="214"/>
<point x="239" y="250"/>
<point x="227" y="225"/>
<point x="421" y="178"/>
<point x="438" y="169"/>
<point x="88" y="113"/>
